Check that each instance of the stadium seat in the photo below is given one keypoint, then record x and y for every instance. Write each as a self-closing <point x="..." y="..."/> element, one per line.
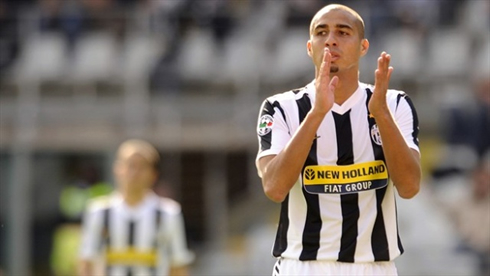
<point x="140" y="55"/>
<point x="290" y="61"/>
<point x="42" y="58"/>
<point x="95" y="58"/>
<point x="240" y="58"/>
<point x="474" y="18"/>
<point x="197" y="60"/>
<point x="405" y="48"/>
<point x="448" y="54"/>
<point x="481" y="65"/>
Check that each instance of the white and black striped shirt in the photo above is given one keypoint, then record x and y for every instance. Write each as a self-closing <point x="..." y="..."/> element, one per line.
<point x="143" y="240"/>
<point x="342" y="208"/>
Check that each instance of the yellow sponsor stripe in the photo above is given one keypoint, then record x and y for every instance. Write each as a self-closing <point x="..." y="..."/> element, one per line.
<point x="325" y="175"/>
<point x="131" y="256"/>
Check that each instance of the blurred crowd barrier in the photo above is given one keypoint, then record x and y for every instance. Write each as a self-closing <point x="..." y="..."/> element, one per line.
<point x="79" y="76"/>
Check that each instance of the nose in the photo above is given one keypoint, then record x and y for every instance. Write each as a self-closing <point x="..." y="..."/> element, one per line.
<point x="330" y="41"/>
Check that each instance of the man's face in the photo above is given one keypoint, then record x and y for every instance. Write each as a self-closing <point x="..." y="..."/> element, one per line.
<point x="337" y="30"/>
<point x="133" y="172"/>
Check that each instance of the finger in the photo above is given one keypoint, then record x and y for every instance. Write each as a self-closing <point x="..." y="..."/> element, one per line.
<point x="333" y="83"/>
<point x="380" y="66"/>
<point x="390" y="71"/>
<point x="387" y="59"/>
<point x="382" y="78"/>
<point x="377" y="77"/>
<point x="383" y="70"/>
<point x="327" y="57"/>
<point x="383" y="61"/>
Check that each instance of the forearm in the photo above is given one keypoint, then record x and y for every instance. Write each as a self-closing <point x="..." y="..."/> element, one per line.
<point x="85" y="268"/>
<point x="178" y="271"/>
<point x="281" y="172"/>
<point x="403" y="162"/>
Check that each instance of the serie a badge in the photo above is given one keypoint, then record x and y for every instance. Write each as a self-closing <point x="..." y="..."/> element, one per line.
<point x="265" y="125"/>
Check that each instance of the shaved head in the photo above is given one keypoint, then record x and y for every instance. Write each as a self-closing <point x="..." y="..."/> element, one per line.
<point x="359" y="23"/>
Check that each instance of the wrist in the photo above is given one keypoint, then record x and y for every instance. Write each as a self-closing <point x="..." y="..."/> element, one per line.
<point x="316" y="114"/>
<point x="313" y="120"/>
<point x="381" y="115"/>
<point x="315" y="117"/>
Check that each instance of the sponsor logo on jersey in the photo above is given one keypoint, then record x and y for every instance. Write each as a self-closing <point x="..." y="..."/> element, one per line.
<point x="265" y="125"/>
<point x="345" y="179"/>
<point x="131" y="256"/>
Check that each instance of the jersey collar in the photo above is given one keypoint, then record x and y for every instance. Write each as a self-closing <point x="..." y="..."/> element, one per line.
<point x="346" y="106"/>
<point x="148" y="202"/>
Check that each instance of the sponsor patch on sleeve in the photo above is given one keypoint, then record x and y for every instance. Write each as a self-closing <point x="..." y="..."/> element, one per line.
<point x="265" y="124"/>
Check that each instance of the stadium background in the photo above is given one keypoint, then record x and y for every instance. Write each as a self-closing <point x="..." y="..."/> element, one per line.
<point x="80" y="76"/>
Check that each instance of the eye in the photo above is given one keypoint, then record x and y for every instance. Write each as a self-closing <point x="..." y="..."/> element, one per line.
<point x="343" y="33"/>
<point x="321" y="33"/>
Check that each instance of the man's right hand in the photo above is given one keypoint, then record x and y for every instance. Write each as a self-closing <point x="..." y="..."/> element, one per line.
<point x="325" y="86"/>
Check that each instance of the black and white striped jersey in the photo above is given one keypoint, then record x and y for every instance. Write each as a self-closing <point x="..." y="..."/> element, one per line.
<point x="143" y="240"/>
<point x="342" y="208"/>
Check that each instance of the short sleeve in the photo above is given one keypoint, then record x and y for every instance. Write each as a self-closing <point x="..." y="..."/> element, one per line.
<point x="407" y="121"/>
<point x="91" y="234"/>
<point x="180" y="255"/>
<point x="272" y="129"/>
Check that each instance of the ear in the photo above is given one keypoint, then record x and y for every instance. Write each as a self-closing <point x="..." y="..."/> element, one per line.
<point x="308" y="47"/>
<point x="364" y="46"/>
<point x="156" y="177"/>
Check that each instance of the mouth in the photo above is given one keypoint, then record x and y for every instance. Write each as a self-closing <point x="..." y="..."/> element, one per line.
<point x="335" y="56"/>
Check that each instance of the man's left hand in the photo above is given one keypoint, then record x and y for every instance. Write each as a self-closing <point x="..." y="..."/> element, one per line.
<point x="377" y="104"/>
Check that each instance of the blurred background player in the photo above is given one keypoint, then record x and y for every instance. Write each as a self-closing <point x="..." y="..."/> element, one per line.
<point x="135" y="231"/>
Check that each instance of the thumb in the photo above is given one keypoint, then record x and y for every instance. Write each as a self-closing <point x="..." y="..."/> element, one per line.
<point x="333" y="83"/>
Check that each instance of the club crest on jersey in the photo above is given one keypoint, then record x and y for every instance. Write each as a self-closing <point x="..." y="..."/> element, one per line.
<point x="375" y="136"/>
<point x="265" y="125"/>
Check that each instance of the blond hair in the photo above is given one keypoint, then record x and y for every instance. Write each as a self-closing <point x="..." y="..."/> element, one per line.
<point x="141" y="147"/>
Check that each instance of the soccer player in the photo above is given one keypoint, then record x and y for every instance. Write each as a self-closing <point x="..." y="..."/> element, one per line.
<point x="333" y="153"/>
<point x="134" y="231"/>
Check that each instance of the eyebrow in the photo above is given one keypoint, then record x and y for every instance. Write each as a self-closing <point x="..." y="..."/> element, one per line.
<point x="338" y="26"/>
